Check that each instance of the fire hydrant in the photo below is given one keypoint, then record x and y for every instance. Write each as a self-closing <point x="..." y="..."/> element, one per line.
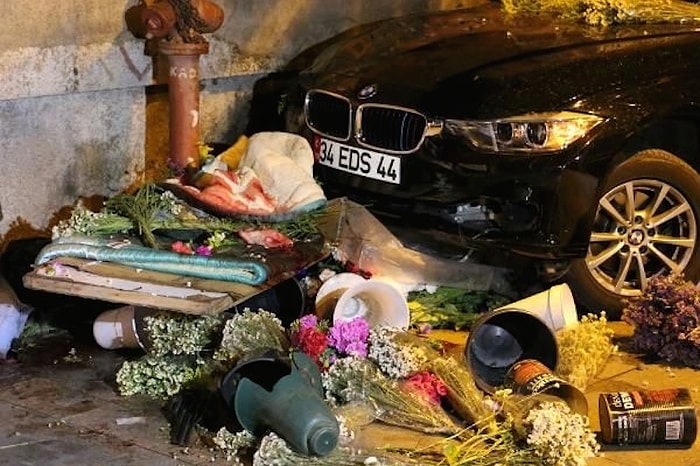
<point x="177" y="27"/>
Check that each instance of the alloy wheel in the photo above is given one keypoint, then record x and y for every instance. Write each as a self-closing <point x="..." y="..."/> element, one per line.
<point x="643" y="228"/>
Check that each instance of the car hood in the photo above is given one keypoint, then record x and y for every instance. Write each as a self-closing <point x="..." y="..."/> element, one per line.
<point x="417" y="60"/>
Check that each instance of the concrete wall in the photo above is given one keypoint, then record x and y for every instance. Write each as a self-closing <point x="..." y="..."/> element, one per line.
<point x="80" y="115"/>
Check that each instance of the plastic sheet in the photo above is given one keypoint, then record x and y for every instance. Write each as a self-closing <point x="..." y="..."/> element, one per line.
<point x="362" y="239"/>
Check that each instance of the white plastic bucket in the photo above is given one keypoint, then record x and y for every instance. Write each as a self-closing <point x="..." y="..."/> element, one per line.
<point x="380" y="303"/>
<point x="554" y="306"/>
<point x="332" y="289"/>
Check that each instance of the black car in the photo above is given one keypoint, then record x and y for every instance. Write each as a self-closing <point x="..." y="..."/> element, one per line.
<point x="471" y="132"/>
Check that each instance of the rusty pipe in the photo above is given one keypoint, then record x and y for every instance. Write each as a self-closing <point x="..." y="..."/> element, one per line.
<point x="178" y="25"/>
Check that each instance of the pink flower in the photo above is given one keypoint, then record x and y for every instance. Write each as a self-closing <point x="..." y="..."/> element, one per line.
<point x="427" y="385"/>
<point x="308" y="321"/>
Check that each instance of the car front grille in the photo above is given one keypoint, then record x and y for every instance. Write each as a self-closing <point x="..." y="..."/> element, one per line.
<point x="390" y="128"/>
<point x="382" y="127"/>
<point x="328" y="114"/>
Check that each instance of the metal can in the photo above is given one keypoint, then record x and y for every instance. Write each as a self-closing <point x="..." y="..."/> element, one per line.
<point x="531" y="377"/>
<point x="647" y="417"/>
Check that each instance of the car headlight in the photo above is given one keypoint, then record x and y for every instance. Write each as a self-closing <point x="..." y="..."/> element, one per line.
<point x="532" y="133"/>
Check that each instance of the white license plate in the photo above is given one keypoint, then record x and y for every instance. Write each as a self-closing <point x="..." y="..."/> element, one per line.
<point x="361" y="162"/>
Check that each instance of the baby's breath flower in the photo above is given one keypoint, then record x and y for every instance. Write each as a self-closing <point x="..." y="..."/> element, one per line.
<point x="584" y="349"/>
<point x="395" y="358"/>
<point x="560" y="437"/>
<point x="159" y="377"/>
<point x="86" y="222"/>
<point x="177" y="333"/>
<point x="232" y="444"/>
<point x="249" y="332"/>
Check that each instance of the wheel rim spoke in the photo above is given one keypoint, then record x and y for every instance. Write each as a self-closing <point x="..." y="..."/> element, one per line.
<point x="643" y="278"/>
<point x="621" y="276"/>
<point x="610" y="209"/>
<point x="603" y="237"/>
<point x="629" y="205"/>
<point x="673" y="266"/>
<point x="601" y="258"/>
<point x="688" y="243"/>
<point x="658" y="199"/>
<point x="670" y="214"/>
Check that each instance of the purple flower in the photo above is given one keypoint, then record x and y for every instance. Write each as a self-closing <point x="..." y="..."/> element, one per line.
<point x="203" y="250"/>
<point x="664" y="316"/>
<point x="350" y="337"/>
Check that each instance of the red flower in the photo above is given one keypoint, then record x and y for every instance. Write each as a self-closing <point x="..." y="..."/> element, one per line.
<point x="181" y="248"/>
<point x="313" y="342"/>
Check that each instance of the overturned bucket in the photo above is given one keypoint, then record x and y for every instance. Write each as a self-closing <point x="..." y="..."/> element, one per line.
<point x="282" y="393"/>
<point x="501" y="338"/>
<point x="286" y="300"/>
<point x="555" y="306"/>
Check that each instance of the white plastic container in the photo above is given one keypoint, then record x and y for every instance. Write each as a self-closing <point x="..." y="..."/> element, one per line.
<point x="332" y="289"/>
<point x="379" y="302"/>
<point x="554" y="306"/>
<point x="116" y="329"/>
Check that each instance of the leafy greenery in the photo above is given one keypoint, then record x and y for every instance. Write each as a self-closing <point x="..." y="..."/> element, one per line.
<point x="451" y="308"/>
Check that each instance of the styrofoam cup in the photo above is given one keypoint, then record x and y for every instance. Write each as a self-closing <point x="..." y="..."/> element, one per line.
<point x="555" y="306"/>
<point x="378" y="302"/>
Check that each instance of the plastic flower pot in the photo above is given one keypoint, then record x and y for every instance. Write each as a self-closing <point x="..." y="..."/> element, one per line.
<point x="283" y="394"/>
<point x="286" y="300"/>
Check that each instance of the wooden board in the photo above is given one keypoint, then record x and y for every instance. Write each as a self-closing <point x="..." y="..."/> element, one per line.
<point x="118" y="283"/>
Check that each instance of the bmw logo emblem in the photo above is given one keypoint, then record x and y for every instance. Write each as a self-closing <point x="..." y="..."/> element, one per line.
<point x="367" y="92"/>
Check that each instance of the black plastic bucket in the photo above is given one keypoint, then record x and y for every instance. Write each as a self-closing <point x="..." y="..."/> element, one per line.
<point x="286" y="300"/>
<point x="648" y="417"/>
<point x="501" y="338"/>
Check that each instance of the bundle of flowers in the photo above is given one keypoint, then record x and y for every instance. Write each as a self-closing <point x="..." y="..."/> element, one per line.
<point x="177" y="333"/>
<point x="161" y="377"/>
<point x="353" y="379"/>
<point x="151" y="210"/>
<point x="324" y="344"/>
<point x="666" y="320"/>
<point x="584" y="349"/>
<point x="251" y="332"/>
<point x="464" y="396"/>
<point x="608" y="12"/>
<point x="558" y="436"/>
<point x="450" y="308"/>
<point x="176" y="355"/>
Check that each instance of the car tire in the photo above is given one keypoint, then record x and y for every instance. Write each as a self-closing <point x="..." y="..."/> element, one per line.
<point x="625" y="241"/>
